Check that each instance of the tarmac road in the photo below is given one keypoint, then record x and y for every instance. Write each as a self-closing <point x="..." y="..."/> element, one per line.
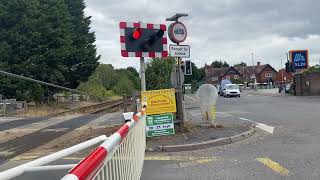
<point x="291" y="152"/>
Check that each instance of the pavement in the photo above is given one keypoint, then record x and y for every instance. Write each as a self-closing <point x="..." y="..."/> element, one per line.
<point x="291" y="151"/>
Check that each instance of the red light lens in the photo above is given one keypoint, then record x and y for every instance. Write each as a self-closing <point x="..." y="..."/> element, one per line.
<point x="136" y="34"/>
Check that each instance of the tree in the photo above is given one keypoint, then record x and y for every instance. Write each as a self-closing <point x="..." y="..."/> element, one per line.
<point x="83" y="57"/>
<point x="158" y="72"/>
<point x="45" y="40"/>
<point x="106" y="81"/>
<point x="240" y="64"/>
<point x="197" y="74"/>
<point x="219" y="64"/>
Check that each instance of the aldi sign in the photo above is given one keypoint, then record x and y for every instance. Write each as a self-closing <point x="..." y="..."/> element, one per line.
<point x="299" y="58"/>
<point x="160" y="125"/>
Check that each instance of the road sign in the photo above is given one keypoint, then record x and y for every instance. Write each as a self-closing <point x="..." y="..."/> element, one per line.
<point x="299" y="58"/>
<point x="143" y="40"/>
<point x="160" y="125"/>
<point x="159" y="101"/>
<point x="177" y="32"/>
<point x="182" y="51"/>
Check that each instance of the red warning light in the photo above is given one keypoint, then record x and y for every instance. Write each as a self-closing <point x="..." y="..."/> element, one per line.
<point x="136" y="34"/>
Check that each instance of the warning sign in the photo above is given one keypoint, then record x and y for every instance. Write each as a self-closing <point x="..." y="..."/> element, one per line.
<point x="159" y="101"/>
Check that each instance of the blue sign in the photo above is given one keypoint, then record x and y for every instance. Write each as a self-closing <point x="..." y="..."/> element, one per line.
<point x="299" y="58"/>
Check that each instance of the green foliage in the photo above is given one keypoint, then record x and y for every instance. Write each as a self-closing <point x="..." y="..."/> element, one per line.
<point x="237" y="81"/>
<point x="158" y="72"/>
<point x="240" y="64"/>
<point x="45" y="40"/>
<point x="312" y="69"/>
<point x="106" y="81"/>
<point x="198" y="75"/>
<point x="194" y="86"/>
<point x="219" y="64"/>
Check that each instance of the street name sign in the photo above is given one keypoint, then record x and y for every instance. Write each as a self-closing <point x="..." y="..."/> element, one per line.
<point x="160" y="125"/>
<point x="182" y="51"/>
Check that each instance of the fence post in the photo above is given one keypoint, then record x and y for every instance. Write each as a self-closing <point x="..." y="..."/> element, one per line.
<point x="125" y="105"/>
<point x="4" y="107"/>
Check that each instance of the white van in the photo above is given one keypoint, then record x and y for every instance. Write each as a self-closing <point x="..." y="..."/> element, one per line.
<point x="230" y="90"/>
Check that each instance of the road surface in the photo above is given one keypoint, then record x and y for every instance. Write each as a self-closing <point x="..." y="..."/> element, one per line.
<point x="291" y="152"/>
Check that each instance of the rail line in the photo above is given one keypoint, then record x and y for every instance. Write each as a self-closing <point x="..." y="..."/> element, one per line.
<point x="30" y="141"/>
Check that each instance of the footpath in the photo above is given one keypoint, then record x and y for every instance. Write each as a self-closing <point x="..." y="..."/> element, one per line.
<point x="195" y="135"/>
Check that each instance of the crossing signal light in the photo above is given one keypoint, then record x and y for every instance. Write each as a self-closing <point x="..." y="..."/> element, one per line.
<point x="293" y="67"/>
<point x="144" y="40"/>
<point x="188" y="68"/>
<point x="136" y="33"/>
<point x="152" y="39"/>
<point x="287" y="66"/>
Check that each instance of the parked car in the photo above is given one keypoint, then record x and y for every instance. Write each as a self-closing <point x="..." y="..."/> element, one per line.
<point x="230" y="90"/>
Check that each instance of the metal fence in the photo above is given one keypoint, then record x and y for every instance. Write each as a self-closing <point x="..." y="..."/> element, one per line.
<point x="120" y="156"/>
<point x="11" y="107"/>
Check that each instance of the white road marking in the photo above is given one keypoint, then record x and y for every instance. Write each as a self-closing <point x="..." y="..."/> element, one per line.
<point x="262" y="126"/>
<point x="191" y="98"/>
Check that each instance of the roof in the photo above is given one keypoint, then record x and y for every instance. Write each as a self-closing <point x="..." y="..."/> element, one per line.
<point x="243" y="70"/>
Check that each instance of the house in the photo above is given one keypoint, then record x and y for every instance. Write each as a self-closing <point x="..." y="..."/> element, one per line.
<point x="283" y="77"/>
<point x="263" y="74"/>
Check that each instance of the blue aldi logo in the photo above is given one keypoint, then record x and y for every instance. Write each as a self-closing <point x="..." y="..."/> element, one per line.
<point x="299" y="58"/>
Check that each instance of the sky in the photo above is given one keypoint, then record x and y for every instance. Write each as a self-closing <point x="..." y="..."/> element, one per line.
<point x="227" y="30"/>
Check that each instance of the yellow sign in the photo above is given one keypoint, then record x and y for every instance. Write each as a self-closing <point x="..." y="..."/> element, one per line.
<point x="159" y="101"/>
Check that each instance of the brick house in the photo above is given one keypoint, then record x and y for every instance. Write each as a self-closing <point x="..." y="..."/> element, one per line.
<point x="263" y="73"/>
<point x="284" y="77"/>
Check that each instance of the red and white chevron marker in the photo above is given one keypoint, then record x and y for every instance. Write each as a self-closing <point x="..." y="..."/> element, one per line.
<point x="90" y="165"/>
<point x="124" y="51"/>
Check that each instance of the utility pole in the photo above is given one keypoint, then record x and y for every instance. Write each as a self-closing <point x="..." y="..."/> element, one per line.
<point x="253" y="75"/>
<point x="282" y="73"/>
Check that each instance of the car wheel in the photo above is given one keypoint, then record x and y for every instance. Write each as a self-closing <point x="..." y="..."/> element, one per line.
<point x="228" y="95"/>
<point x="239" y="95"/>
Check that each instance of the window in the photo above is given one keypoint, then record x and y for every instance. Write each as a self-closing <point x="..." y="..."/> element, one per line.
<point x="215" y="78"/>
<point x="228" y="77"/>
<point x="235" y="77"/>
<point x="268" y="74"/>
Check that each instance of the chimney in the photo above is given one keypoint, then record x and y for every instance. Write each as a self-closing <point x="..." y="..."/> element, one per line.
<point x="258" y="63"/>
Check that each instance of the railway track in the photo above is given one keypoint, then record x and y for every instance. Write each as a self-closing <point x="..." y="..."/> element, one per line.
<point x="30" y="141"/>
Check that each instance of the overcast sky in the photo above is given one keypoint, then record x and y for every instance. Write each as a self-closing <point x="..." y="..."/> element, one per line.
<point x="228" y="30"/>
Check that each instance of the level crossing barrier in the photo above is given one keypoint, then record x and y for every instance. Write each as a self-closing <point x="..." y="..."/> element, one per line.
<point x="120" y="156"/>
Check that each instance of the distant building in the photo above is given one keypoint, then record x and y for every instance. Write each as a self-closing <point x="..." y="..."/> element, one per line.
<point x="283" y="77"/>
<point x="263" y="73"/>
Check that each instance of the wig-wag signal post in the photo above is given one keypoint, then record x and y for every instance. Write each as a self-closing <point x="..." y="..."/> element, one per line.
<point x="150" y="40"/>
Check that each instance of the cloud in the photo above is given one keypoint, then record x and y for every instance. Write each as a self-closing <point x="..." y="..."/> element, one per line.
<point x="217" y="29"/>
